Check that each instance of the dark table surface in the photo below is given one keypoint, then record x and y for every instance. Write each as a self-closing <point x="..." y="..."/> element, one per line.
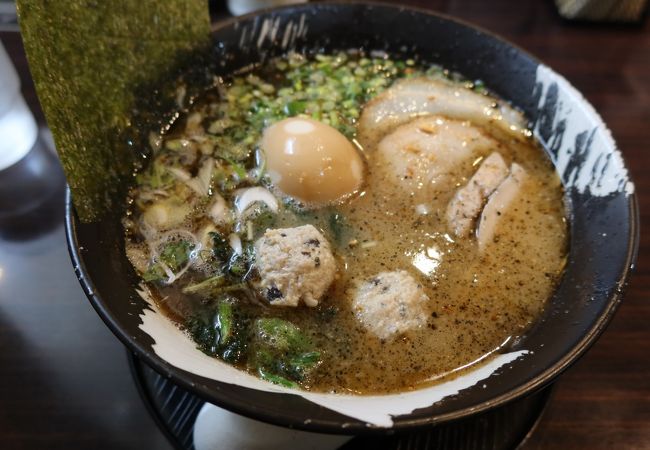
<point x="64" y="378"/>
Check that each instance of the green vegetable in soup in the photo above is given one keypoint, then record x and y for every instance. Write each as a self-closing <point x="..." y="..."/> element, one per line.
<point x="233" y="265"/>
<point x="280" y="351"/>
<point x="209" y="285"/>
<point x="154" y="273"/>
<point x="239" y="265"/>
<point x="221" y="249"/>
<point x="257" y="219"/>
<point x="157" y="176"/>
<point x="276" y="379"/>
<point x="219" y="334"/>
<point x="176" y="254"/>
<point x="224" y="322"/>
<point x="237" y="168"/>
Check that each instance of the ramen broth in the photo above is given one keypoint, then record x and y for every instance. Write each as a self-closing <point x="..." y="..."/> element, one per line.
<point x="197" y="253"/>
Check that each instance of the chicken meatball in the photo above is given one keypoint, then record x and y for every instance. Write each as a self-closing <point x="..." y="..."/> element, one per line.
<point x="390" y="304"/>
<point x="294" y="264"/>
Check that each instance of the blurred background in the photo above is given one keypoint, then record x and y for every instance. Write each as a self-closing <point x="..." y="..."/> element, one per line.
<point x="65" y="381"/>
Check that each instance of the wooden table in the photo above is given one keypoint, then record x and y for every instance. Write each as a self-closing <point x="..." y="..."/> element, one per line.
<point x="64" y="381"/>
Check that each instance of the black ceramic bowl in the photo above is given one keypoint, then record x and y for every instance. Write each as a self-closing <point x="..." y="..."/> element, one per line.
<point x="603" y="211"/>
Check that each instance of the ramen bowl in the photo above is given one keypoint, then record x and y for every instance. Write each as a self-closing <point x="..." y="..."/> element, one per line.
<point x="602" y="220"/>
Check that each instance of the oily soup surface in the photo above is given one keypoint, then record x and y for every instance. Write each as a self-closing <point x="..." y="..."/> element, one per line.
<point x="477" y="298"/>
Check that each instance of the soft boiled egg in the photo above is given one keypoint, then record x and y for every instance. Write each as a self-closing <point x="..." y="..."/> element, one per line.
<point x="311" y="161"/>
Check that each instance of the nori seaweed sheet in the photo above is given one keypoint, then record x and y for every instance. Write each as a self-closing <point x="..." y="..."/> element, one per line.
<point x="89" y="60"/>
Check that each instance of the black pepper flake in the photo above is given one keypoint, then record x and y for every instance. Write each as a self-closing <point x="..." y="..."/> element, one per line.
<point x="283" y="234"/>
<point x="314" y="242"/>
<point x="273" y="293"/>
<point x="375" y="281"/>
<point x="317" y="261"/>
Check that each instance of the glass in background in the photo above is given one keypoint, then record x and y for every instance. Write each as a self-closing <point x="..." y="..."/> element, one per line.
<point x="31" y="179"/>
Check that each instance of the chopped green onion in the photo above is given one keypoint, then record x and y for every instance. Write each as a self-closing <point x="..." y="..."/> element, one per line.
<point x="207" y="285"/>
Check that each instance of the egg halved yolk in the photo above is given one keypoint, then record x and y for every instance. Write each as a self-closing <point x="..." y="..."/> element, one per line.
<point x="311" y="161"/>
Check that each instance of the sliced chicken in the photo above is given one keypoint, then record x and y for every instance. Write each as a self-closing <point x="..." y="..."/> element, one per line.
<point x="498" y="204"/>
<point x="414" y="97"/>
<point x="464" y="208"/>
<point x="430" y="154"/>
